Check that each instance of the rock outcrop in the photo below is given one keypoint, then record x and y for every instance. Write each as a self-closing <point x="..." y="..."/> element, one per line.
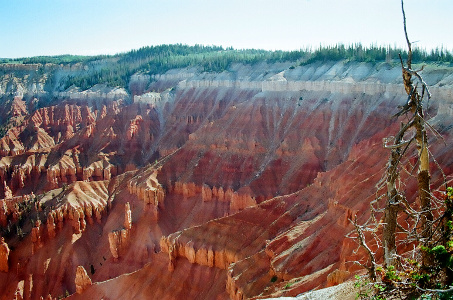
<point x="127" y="217"/>
<point x="36" y="237"/>
<point x="237" y="200"/>
<point x="51" y="227"/>
<point x="82" y="280"/>
<point x="118" y="240"/>
<point x="148" y="189"/>
<point x="4" y="255"/>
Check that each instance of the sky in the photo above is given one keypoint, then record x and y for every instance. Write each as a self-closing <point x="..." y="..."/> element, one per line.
<point x="90" y="27"/>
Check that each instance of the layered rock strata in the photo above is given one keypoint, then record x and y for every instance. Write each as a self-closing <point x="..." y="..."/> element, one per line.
<point x="249" y="183"/>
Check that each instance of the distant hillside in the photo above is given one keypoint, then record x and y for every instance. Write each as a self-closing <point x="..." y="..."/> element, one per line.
<point x="116" y="70"/>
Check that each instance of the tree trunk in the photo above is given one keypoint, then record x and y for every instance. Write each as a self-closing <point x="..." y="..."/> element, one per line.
<point x="392" y="205"/>
<point x="424" y="178"/>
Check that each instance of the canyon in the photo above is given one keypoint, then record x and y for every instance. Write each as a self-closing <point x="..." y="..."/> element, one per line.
<point x="238" y="184"/>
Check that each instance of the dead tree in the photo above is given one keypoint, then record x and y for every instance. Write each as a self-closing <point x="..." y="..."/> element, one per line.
<point x="395" y="201"/>
<point x="415" y="238"/>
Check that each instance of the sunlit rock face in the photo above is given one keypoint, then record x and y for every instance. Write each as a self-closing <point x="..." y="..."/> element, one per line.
<point x="197" y="185"/>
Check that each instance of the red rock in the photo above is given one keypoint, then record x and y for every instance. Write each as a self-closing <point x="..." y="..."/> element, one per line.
<point x="127" y="216"/>
<point x="3" y="214"/>
<point x="18" y="108"/>
<point x="7" y="191"/>
<point x="51" y="225"/>
<point x="337" y="277"/>
<point x="241" y="201"/>
<point x="247" y="144"/>
<point x="76" y="224"/>
<point x="118" y="241"/>
<point x="82" y="280"/>
<point x="4" y="255"/>
<point x="206" y="193"/>
<point x="114" y="242"/>
<point x="36" y="237"/>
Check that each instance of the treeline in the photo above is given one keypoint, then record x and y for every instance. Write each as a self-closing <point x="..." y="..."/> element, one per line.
<point x="111" y="76"/>
<point x="58" y="59"/>
<point x="215" y="59"/>
<point x="377" y="54"/>
<point x="159" y="59"/>
<point x="116" y="70"/>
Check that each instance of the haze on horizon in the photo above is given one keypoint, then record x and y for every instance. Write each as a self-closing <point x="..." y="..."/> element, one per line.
<point x="83" y="27"/>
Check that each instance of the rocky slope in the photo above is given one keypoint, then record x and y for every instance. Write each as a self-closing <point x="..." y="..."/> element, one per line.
<point x="199" y="185"/>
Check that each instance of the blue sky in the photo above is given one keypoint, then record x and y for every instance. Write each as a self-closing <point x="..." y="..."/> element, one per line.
<point x="52" y="27"/>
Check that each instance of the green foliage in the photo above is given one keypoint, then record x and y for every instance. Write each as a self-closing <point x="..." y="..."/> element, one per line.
<point x="449" y="195"/>
<point x="5" y="127"/>
<point x="391" y="275"/>
<point x="359" y="53"/>
<point x="445" y="296"/>
<point x="442" y="256"/>
<point x="159" y="59"/>
<point x="368" y="289"/>
<point x="116" y="70"/>
<point x="57" y="59"/>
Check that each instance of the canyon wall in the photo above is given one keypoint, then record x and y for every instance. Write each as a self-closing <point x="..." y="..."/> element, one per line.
<point x="200" y="185"/>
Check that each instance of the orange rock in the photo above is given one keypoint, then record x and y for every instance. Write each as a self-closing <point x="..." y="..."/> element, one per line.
<point x="36" y="237"/>
<point x="76" y="224"/>
<point x="241" y="201"/>
<point x="337" y="277"/>
<point x="60" y="217"/>
<point x="229" y="195"/>
<point x="118" y="241"/>
<point x="127" y="216"/>
<point x="134" y="127"/>
<point x="51" y="225"/>
<point x="82" y="280"/>
<point x="3" y="214"/>
<point x="98" y="213"/>
<point x="206" y="193"/>
<point x="7" y="191"/>
<point x="220" y="194"/>
<point x="4" y="255"/>
<point x="114" y="244"/>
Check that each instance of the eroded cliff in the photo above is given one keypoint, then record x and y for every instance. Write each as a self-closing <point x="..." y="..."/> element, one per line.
<point x="232" y="185"/>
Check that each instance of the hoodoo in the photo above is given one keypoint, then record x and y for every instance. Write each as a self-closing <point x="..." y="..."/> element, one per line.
<point x="234" y="180"/>
<point x="4" y="255"/>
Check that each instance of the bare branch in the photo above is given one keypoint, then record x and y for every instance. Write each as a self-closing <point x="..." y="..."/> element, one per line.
<point x="399" y="145"/>
<point x="409" y="58"/>
<point x="424" y="85"/>
<point x="361" y="237"/>
<point x="436" y="133"/>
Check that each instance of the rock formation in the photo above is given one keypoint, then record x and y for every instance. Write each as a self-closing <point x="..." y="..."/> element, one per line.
<point x="147" y="188"/>
<point x="36" y="237"/>
<point x="127" y="216"/>
<point x="51" y="225"/>
<point x="118" y="241"/>
<point x="115" y="243"/>
<point x="3" y="214"/>
<point x="82" y="280"/>
<point x="4" y="255"/>
<point x="76" y="224"/>
<point x="206" y="193"/>
<point x="231" y="185"/>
